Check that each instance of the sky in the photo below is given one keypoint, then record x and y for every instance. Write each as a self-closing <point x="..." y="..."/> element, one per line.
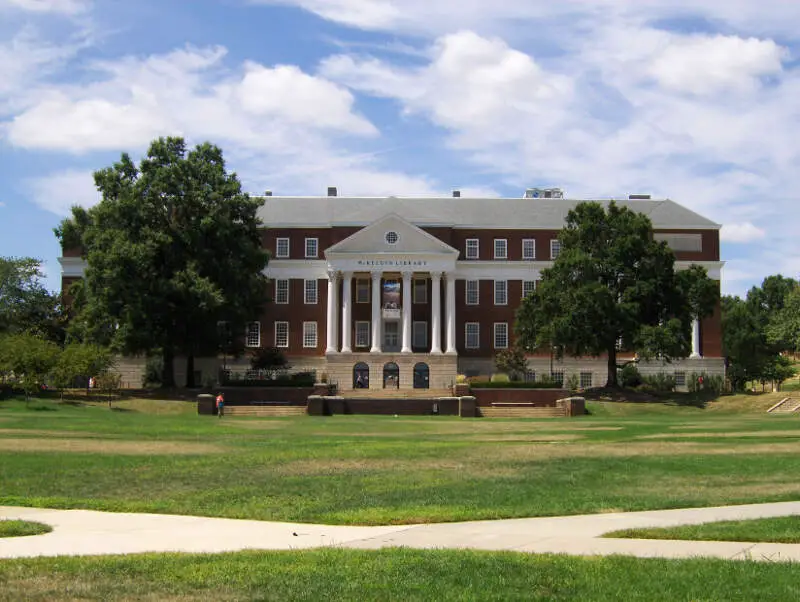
<point x="696" y="101"/>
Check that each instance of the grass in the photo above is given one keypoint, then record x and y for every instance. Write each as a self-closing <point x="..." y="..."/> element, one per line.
<point x="22" y="528"/>
<point x="396" y="574"/>
<point x="785" y="529"/>
<point x="150" y="456"/>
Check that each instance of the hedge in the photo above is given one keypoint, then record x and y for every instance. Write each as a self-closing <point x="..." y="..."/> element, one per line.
<point x="516" y="385"/>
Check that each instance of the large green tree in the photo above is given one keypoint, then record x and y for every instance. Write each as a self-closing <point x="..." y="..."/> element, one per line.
<point x="26" y="306"/>
<point x="173" y="248"/>
<point x="611" y="288"/>
<point x="783" y="329"/>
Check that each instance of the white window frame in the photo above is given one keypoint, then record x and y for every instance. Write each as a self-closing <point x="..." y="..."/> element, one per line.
<point x="583" y="383"/>
<point x="278" y="243"/>
<point x="252" y="340"/>
<point x="476" y="335"/>
<point x="501" y="329"/>
<point x="472" y="244"/>
<point x="501" y="292"/>
<point x="310" y="286"/>
<point x="421" y="285"/>
<point x="555" y="248"/>
<point x="477" y="291"/>
<point x="310" y="336"/>
<point x="558" y="376"/>
<point x="501" y="244"/>
<point x="366" y="332"/>
<point x="360" y="282"/>
<point x="680" y="378"/>
<point x="419" y="328"/>
<point x="279" y="342"/>
<point x="531" y="246"/>
<point x="278" y="282"/>
<point x="530" y="285"/>
<point x="315" y="243"/>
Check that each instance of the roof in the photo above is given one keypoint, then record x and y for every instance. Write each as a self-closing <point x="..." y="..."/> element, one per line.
<point x="460" y="212"/>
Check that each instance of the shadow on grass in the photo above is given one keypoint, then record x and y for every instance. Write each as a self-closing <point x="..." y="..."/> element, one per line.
<point x="620" y="395"/>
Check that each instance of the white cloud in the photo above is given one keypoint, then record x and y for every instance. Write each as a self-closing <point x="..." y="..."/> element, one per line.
<point x="741" y="233"/>
<point x="59" y="191"/>
<point x="68" y="7"/>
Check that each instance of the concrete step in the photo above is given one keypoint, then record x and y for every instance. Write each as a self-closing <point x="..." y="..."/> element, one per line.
<point x="396" y="393"/>
<point x="785" y="406"/>
<point x="510" y="412"/>
<point x="266" y="411"/>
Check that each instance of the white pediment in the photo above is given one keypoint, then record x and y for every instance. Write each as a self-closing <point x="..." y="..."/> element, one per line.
<point x="391" y="235"/>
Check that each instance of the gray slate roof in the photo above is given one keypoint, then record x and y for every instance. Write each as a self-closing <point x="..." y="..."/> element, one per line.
<point x="546" y="214"/>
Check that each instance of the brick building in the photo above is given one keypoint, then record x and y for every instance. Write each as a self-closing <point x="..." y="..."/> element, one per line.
<point x="413" y="291"/>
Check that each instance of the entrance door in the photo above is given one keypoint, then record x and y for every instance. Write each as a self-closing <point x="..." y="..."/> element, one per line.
<point x="422" y="376"/>
<point x="391" y="376"/>
<point x="361" y="376"/>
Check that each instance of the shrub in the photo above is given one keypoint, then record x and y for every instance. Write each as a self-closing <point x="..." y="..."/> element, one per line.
<point x="269" y="359"/>
<point x="515" y="384"/>
<point x="500" y="378"/>
<point x="629" y="376"/>
<point x="572" y="382"/>
<point x="153" y="370"/>
<point x="461" y="379"/>
<point x="698" y="382"/>
<point x="659" y="383"/>
<point x="512" y="362"/>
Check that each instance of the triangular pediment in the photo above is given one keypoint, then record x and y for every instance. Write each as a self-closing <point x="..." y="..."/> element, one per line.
<point x="393" y="235"/>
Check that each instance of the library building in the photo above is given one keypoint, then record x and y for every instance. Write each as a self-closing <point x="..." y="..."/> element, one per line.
<point x="408" y="293"/>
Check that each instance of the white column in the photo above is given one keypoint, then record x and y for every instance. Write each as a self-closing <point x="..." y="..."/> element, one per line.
<point x="436" y="312"/>
<point x="406" y="313"/>
<point x="376" y="313"/>
<point x="451" y="313"/>
<point x="695" y="340"/>
<point x="333" y="310"/>
<point x="347" y="304"/>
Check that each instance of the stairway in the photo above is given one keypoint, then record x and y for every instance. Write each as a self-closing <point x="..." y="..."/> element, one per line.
<point x="396" y="394"/>
<point x="785" y="406"/>
<point x="265" y="411"/>
<point x="521" y="412"/>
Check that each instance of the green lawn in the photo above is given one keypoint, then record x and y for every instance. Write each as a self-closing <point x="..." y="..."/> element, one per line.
<point x="162" y="457"/>
<point x="397" y="574"/>
<point x="21" y="528"/>
<point x="785" y="529"/>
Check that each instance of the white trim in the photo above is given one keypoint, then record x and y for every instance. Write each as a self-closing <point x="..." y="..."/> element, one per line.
<point x="477" y="242"/>
<point x="314" y="255"/>
<point x="288" y="247"/>
<point x="522" y="250"/>
<point x="73" y="267"/>
<point x="504" y="242"/>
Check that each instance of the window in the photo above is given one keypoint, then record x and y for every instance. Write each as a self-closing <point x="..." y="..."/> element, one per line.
<point x="501" y="335"/>
<point x="530" y="376"/>
<point x="282" y="334"/>
<point x="362" y="334"/>
<point x="529" y="248"/>
<point x="557" y="376"/>
<point x="282" y="291"/>
<point x="312" y="247"/>
<point x="420" y="335"/>
<point x="420" y="290"/>
<point x="586" y="380"/>
<point x="473" y="296"/>
<point x="500" y="248"/>
<point x="362" y="290"/>
<point x="311" y="289"/>
<point x="555" y="248"/>
<point x="472" y="335"/>
<point x="680" y="379"/>
<point x="472" y="248"/>
<point x="282" y="248"/>
<point x="501" y="292"/>
<point x="528" y="286"/>
<point x="681" y="242"/>
<point x="310" y="335"/>
<point x="253" y="334"/>
<point x="392" y="238"/>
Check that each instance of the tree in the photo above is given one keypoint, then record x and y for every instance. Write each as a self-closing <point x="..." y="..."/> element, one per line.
<point x="25" y="304"/>
<point x="270" y="360"/>
<point x="28" y="360"/>
<point x="783" y="329"/>
<point x="743" y="341"/>
<point x="82" y="361"/>
<point x="512" y="362"/>
<point x="613" y="288"/>
<point x="172" y="249"/>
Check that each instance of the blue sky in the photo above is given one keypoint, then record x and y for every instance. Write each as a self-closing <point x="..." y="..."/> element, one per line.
<point x="691" y="100"/>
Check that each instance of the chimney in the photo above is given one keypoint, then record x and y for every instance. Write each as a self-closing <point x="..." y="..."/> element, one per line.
<point x="332" y="191"/>
<point x="638" y="197"/>
<point x="267" y="193"/>
<point x="456" y="194"/>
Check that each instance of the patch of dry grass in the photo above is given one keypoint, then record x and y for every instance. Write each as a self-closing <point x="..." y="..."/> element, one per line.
<point x="722" y="434"/>
<point x="53" y="433"/>
<point x="113" y="447"/>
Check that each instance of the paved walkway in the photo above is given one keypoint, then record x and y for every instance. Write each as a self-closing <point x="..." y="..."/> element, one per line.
<point x="86" y="532"/>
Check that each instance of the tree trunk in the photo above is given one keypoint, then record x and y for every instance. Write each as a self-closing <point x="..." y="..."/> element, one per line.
<point x="612" y="368"/>
<point x="190" y="384"/>
<point x="168" y="370"/>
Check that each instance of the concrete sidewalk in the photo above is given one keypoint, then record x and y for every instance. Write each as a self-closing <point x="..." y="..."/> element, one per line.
<point x="86" y="532"/>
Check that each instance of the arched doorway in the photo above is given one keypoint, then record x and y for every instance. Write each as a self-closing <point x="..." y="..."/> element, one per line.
<point x="422" y="376"/>
<point x="391" y="376"/>
<point x="361" y="376"/>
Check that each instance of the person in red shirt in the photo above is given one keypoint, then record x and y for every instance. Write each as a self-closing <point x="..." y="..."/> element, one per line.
<point x="220" y="405"/>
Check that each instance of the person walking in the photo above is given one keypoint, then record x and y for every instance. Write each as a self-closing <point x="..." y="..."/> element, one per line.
<point x="220" y="405"/>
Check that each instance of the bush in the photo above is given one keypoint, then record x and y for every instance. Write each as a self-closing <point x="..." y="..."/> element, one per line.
<point x="658" y="383"/>
<point x="629" y="376"/>
<point x="500" y="378"/>
<point x="572" y="382"/>
<point x="461" y="379"/>
<point x="298" y="379"/>
<point x="698" y="382"/>
<point x="515" y="384"/>
<point x="153" y="370"/>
